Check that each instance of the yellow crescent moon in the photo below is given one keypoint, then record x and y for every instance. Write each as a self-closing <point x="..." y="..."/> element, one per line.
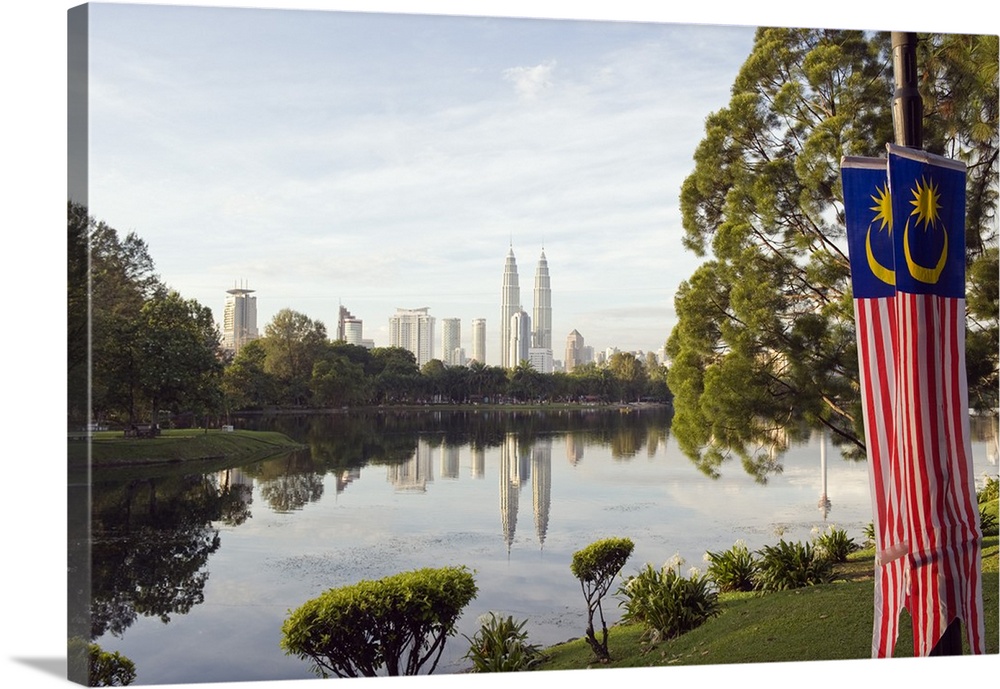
<point x="886" y="275"/>
<point x="928" y="276"/>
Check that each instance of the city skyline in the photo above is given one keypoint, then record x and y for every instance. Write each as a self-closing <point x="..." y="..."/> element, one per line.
<point x="325" y="161"/>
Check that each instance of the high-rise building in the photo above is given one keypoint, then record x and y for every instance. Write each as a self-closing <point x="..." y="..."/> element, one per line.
<point x="479" y="340"/>
<point x="541" y="317"/>
<point x="239" y="319"/>
<point x="413" y="329"/>
<point x="574" y="350"/>
<point x="510" y="304"/>
<point x="349" y="328"/>
<point x="451" y="341"/>
<point x="520" y="337"/>
<point x="541" y="359"/>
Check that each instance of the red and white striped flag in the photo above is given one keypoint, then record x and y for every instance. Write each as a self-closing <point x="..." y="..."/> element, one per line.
<point x="868" y="213"/>
<point x="906" y="238"/>
<point x="932" y="400"/>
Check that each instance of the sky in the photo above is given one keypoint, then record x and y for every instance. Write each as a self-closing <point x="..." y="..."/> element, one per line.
<point x="34" y="123"/>
<point x="382" y="161"/>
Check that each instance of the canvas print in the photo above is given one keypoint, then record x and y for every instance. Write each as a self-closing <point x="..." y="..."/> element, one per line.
<point x="408" y="344"/>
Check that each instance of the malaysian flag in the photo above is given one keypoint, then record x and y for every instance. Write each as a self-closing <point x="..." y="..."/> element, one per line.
<point x="868" y="215"/>
<point x="931" y="400"/>
<point x="905" y="218"/>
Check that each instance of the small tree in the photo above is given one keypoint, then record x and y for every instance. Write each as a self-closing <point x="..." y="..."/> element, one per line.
<point x="596" y="566"/>
<point x="104" y="669"/>
<point x="399" y="622"/>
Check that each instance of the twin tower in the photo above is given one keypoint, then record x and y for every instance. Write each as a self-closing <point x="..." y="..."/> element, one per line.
<point x="523" y="337"/>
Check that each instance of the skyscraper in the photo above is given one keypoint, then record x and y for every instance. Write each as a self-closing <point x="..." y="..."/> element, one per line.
<point x="541" y="318"/>
<point x="520" y="337"/>
<point x="451" y="341"/>
<point x="349" y="328"/>
<point x="239" y="319"/>
<point x="510" y="303"/>
<point x="574" y="350"/>
<point x="413" y="329"/>
<point x="479" y="340"/>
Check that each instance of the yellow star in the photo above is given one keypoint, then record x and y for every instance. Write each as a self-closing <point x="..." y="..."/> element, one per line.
<point x="883" y="208"/>
<point x="926" y="203"/>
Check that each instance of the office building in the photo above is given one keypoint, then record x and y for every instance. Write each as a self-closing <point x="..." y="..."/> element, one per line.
<point x="349" y="328"/>
<point x="479" y="340"/>
<point x="451" y="341"/>
<point x="574" y="351"/>
<point x="239" y="319"/>
<point x="520" y="338"/>
<point x="413" y="329"/>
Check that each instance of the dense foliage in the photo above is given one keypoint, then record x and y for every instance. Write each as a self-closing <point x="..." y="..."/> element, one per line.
<point x="398" y="624"/>
<point x="596" y="566"/>
<point x="788" y="565"/>
<point x="666" y="603"/>
<point x="104" y="668"/>
<point x="734" y="569"/>
<point x="764" y="347"/>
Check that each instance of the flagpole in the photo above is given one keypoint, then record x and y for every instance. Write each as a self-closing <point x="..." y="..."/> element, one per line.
<point x="907" y="115"/>
<point x="907" y="107"/>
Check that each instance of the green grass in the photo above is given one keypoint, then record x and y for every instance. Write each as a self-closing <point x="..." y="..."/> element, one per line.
<point x="826" y="622"/>
<point x="111" y="449"/>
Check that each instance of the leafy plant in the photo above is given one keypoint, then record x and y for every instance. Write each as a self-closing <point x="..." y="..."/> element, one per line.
<point x="989" y="491"/>
<point x="501" y="645"/>
<point x="666" y="603"/>
<point x="869" y="535"/>
<point x="733" y="569"/>
<point x="835" y="544"/>
<point x="400" y="622"/>
<point x="987" y="521"/>
<point x="791" y="565"/>
<point x="596" y="566"/>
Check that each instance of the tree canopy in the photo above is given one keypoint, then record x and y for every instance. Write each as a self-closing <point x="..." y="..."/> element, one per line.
<point x="764" y="347"/>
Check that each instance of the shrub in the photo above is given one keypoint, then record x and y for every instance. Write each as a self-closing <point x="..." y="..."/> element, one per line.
<point x="791" y="565"/>
<point x="501" y="645"/>
<point x="104" y="669"/>
<point x="987" y="521"/>
<point x="666" y="603"/>
<point x="733" y="569"/>
<point x="596" y="566"/>
<point x="400" y="623"/>
<point x="869" y="535"/>
<point x="835" y="545"/>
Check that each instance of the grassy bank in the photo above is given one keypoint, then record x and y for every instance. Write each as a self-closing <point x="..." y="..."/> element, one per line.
<point x="828" y="622"/>
<point x="111" y="449"/>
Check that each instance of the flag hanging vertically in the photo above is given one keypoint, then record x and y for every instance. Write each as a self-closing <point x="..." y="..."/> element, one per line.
<point x="931" y="400"/>
<point x="868" y="214"/>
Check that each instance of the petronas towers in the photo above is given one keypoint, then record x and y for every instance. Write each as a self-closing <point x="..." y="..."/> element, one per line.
<point x="523" y="337"/>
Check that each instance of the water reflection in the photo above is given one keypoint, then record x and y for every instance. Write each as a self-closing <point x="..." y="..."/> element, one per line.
<point x="375" y="494"/>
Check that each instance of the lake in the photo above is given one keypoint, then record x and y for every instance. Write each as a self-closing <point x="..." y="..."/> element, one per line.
<point x="195" y="573"/>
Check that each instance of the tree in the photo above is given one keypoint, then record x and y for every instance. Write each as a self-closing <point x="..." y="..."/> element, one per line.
<point x="400" y="622"/>
<point x="764" y="347"/>
<point x="179" y="355"/>
<point x="293" y="343"/>
<point x="596" y="566"/>
<point x="245" y="383"/>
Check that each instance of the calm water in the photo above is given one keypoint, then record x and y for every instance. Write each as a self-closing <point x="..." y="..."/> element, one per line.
<point x="194" y="574"/>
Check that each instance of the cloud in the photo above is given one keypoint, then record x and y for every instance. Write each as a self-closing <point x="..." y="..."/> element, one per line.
<point x="529" y="82"/>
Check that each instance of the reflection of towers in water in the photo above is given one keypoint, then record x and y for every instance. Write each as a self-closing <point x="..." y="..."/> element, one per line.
<point x="478" y="462"/>
<point x="236" y="482"/>
<point x="824" y="500"/>
<point x="414" y="474"/>
<point x="510" y="484"/>
<point x="517" y="467"/>
<point x="574" y="449"/>
<point x="541" y="486"/>
<point x="449" y="461"/>
<point x="346" y="478"/>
